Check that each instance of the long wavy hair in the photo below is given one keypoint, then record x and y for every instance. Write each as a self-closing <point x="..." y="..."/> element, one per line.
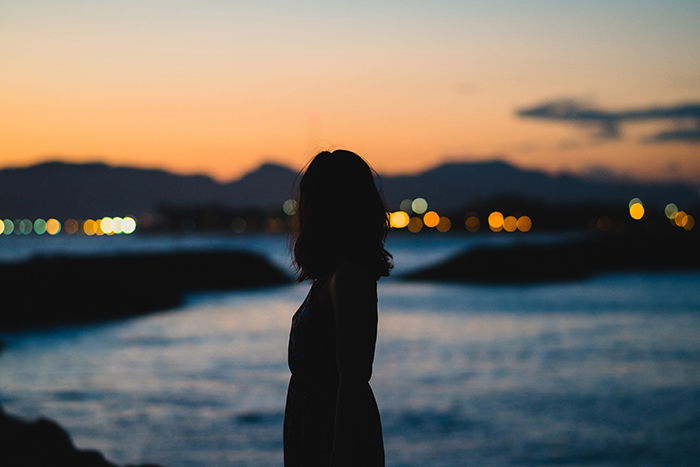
<point x="341" y="215"/>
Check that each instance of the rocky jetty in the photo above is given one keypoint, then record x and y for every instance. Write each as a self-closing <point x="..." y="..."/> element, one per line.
<point x="43" y="443"/>
<point x="523" y="263"/>
<point x="46" y="291"/>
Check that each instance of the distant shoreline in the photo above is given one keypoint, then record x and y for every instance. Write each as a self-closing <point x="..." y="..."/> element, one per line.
<point x="569" y="260"/>
<point x="48" y="291"/>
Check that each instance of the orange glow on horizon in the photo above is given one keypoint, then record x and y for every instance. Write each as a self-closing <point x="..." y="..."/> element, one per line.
<point x="220" y="87"/>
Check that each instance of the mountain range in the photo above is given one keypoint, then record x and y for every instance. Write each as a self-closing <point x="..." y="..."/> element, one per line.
<point x="61" y="189"/>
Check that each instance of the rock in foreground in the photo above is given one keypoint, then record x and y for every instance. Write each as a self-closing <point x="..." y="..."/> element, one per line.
<point x="43" y="443"/>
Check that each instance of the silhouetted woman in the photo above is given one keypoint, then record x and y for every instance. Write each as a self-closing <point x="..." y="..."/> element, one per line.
<point x="331" y="417"/>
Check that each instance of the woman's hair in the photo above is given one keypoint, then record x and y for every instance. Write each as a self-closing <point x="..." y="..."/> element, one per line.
<point x="341" y="215"/>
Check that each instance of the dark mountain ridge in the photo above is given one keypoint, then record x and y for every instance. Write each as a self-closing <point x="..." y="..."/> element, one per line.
<point x="62" y="189"/>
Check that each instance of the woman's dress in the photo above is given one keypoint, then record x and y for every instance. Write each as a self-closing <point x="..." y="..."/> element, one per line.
<point x="331" y="416"/>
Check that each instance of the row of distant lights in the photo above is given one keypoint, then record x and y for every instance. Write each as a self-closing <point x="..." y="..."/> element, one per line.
<point x="678" y="218"/>
<point x="431" y="219"/>
<point x="104" y="226"/>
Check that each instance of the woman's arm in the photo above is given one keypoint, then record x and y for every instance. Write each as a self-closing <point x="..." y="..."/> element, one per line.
<point x="354" y="294"/>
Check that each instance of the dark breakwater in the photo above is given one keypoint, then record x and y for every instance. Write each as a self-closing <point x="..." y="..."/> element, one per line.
<point x="523" y="263"/>
<point x="44" y="442"/>
<point x="46" y="291"/>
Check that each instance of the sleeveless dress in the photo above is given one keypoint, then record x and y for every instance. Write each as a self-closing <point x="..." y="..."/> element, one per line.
<point x="310" y="424"/>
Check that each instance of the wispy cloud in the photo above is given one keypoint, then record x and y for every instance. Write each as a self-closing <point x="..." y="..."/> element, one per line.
<point x="684" y="118"/>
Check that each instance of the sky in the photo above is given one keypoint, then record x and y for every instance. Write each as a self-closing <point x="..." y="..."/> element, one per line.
<point x="220" y="86"/>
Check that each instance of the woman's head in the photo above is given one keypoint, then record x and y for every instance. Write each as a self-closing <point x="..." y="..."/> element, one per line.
<point x="341" y="215"/>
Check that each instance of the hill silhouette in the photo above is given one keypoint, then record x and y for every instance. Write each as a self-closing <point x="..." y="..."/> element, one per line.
<point x="61" y="189"/>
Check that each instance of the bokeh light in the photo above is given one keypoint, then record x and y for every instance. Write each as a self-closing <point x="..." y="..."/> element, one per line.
<point x="89" y="227"/>
<point x="71" y="226"/>
<point x="53" y="226"/>
<point x="39" y="226"/>
<point x="689" y="222"/>
<point x="444" y="224"/>
<point x="117" y="225"/>
<point x="670" y="210"/>
<point x="405" y="205"/>
<point x="510" y="224"/>
<point x="289" y="207"/>
<point x="128" y="225"/>
<point x="496" y="221"/>
<point x="680" y="218"/>
<point x="415" y="224"/>
<point x="431" y="219"/>
<point x="419" y="205"/>
<point x="634" y="201"/>
<point x="8" y="226"/>
<point x="472" y="223"/>
<point x="636" y="210"/>
<point x="25" y="226"/>
<point x="107" y="225"/>
<point x="524" y="223"/>
<point x="399" y="219"/>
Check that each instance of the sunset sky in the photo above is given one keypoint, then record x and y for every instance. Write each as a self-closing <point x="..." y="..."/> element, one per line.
<point x="219" y="86"/>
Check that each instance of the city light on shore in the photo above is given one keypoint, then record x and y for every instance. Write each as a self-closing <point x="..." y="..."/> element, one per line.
<point x="399" y="219"/>
<point x="52" y="226"/>
<point x="496" y="221"/>
<point x="636" y="209"/>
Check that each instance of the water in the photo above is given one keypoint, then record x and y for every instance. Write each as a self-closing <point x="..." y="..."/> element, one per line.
<point x="604" y="371"/>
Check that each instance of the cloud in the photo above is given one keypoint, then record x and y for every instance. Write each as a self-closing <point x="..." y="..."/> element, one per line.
<point x="691" y="135"/>
<point x="608" y="123"/>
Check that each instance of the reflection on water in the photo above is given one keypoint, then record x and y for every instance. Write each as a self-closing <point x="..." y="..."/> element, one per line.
<point x="599" y="372"/>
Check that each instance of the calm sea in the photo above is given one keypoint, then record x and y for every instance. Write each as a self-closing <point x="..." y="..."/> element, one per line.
<point x="604" y="371"/>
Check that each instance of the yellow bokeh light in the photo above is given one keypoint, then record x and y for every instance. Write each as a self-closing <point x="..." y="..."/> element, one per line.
<point x="510" y="224"/>
<point x="636" y="211"/>
<point x="117" y="225"/>
<point x="671" y="210"/>
<point x="689" y="222"/>
<point x="472" y="223"/>
<point x="53" y="226"/>
<point x="524" y="223"/>
<point x="399" y="219"/>
<point x="415" y="224"/>
<point x="444" y="225"/>
<point x="431" y="219"/>
<point x="496" y="221"/>
<point x="107" y="225"/>
<point x="128" y="225"/>
<point x="89" y="227"/>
